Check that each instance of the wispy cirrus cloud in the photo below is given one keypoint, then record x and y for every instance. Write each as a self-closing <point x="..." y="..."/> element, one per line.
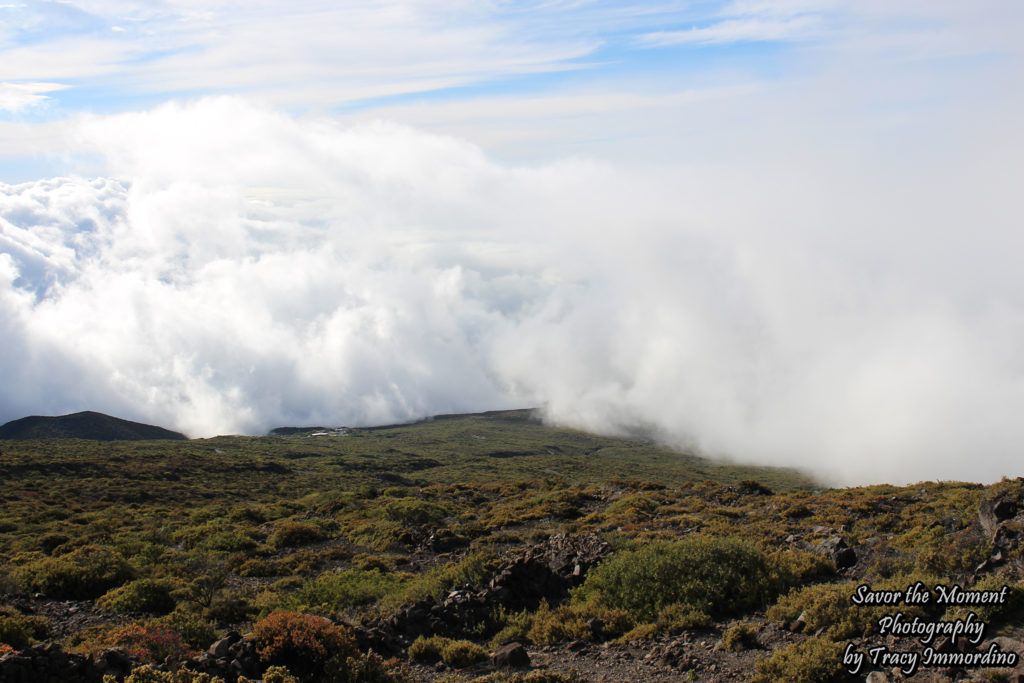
<point x="18" y="96"/>
<point x="319" y="54"/>
<point x="753" y="21"/>
<point x="740" y="30"/>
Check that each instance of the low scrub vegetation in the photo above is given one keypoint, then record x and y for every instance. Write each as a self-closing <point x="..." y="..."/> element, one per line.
<point x="18" y="630"/>
<point x="171" y="545"/>
<point x="462" y="653"/>
<point x="816" y="660"/>
<point x="85" y="572"/>
<point x="141" y="595"/>
<point x="717" y="576"/>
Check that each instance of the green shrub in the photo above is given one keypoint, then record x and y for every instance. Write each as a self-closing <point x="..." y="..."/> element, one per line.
<point x="738" y="637"/>
<point x="718" y="576"/>
<point x="828" y="606"/>
<point x="513" y="627"/>
<point x="229" y="609"/>
<point x="633" y="507"/>
<point x="816" y="660"/>
<point x="547" y="676"/>
<point x="84" y="573"/>
<point x="462" y="653"/>
<point x="219" y="535"/>
<point x="995" y="614"/>
<point x="672" y="620"/>
<point x="141" y="595"/>
<point x="412" y="512"/>
<point x="556" y="625"/>
<point x="798" y="511"/>
<point x="536" y="676"/>
<point x="378" y="534"/>
<point x="427" y="649"/>
<point x="301" y="642"/>
<point x="614" y="621"/>
<point x="7" y="583"/>
<point x="260" y="567"/>
<point x="793" y="566"/>
<point x="369" y="668"/>
<point x="341" y="590"/>
<point x="474" y="569"/>
<point x="276" y="674"/>
<point x="675" y="618"/>
<point x="151" y="555"/>
<point x="148" y="674"/>
<point x="197" y="631"/>
<point x="249" y="513"/>
<point x="20" y="630"/>
<point x="209" y="575"/>
<point x="754" y="486"/>
<point x="938" y="552"/>
<point x="52" y="541"/>
<point x="288" y="583"/>
<point x="290" y="534"/>
<point x="545" y="625"/>
<point x="643" y="631"/>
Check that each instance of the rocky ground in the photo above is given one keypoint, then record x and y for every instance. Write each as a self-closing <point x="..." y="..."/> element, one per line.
<point x="694" y="655"/>
<point x="690" y="656"/>
<point x="545" y="571"/>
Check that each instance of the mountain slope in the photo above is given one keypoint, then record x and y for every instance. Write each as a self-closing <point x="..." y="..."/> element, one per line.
<point x="84" y="425"/>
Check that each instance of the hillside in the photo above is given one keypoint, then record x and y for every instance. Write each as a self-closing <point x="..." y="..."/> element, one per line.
<point x="84" y="425"/>
<point x="470" y="542"/>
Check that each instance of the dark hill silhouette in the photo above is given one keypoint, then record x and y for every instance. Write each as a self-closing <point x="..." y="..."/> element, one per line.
<point x="84" y="425"/>
<point x="292" y="431"/>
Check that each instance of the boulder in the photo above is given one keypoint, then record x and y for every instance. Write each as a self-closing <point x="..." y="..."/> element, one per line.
<point x="511" y="656"/>
<point x="836" y="549"/>
<point x="992" y="512"/>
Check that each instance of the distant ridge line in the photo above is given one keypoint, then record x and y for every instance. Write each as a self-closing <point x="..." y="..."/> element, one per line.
<point x="513" y="415"/>
<point x="87" y="424"/>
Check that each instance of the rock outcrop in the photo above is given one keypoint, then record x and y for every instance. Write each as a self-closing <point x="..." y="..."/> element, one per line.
<point x="49" y="662"/>
<point x="1003" y="520"/>
<point x="543" y="572"/>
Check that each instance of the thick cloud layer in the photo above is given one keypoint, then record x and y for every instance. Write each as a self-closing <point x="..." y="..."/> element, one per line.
<point x="247" y="269"/>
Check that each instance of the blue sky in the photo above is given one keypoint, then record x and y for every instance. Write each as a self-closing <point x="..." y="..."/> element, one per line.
<point x="779" y="231"/>
<point x="417" y="61"/>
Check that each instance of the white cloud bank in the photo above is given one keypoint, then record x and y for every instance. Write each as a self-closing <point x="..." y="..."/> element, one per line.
<point x="249" y="270"/>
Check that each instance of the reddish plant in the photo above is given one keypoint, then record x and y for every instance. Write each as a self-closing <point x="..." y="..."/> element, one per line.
<point x="5" y="648"/>
<point x="146" y="643"/>
<point x="301" y="642"/>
